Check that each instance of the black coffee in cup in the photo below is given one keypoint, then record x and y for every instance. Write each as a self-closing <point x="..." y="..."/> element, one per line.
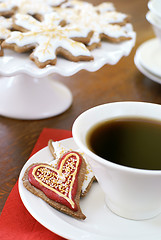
<point x="131" y="142"/>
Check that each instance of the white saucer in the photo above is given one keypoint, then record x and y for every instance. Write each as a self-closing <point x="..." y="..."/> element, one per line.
<point x="143" y="70"/>
<point x="150" y="56"/>
<point x="100" y="224"/>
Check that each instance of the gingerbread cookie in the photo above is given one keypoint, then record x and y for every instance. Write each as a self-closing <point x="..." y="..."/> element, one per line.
<point x="36" y="7"/>
<point x="105" y="7"/>
<point x="70" y="29"/>
<point x="114" y="17"/>
<point x="60" y="186"/>
<point x="55" y="3"/>
<point x="7" y="8"/>
<point x="76" y="4"/>
<point x="104" y="13"/>
<point x="57" y="150"/>
<point x="5" y="26"/>
<point x="105" y="24"/>
<point x="48" y="40"/>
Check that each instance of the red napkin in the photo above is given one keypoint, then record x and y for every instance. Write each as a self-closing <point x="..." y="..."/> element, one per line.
<point x="15" y="221"/>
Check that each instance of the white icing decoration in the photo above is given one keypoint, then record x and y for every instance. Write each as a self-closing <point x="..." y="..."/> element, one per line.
<point x="34" y="7"/>
<point x="54" y="2"/>
<point x="47" y="36"/>
<point x="5" y="22"/>
<point x="105" y="7"/>
<point x="7" y="5"/>
<point x="76" y="4"/>
<point x="99" y="22"/>
<point x="5" y="26"/>
<point x="30" y="6"/>
<point x="113" y="17"/>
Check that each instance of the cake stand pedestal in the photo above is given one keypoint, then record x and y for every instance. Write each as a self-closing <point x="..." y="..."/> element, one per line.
<point x="26" y="97"/>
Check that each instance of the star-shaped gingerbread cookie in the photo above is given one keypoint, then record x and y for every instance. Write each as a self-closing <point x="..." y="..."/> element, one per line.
<point x="49" y="39"/>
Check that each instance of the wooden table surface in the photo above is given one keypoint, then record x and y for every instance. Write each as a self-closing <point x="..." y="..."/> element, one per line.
<point x="111" y="83"/>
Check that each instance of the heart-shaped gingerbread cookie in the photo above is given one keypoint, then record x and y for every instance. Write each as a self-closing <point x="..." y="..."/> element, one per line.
<point x="60" y="186"/>
<point x="57" y="150"/>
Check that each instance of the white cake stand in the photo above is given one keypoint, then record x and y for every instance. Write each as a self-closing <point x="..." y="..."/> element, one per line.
<point x="28" y="92"/>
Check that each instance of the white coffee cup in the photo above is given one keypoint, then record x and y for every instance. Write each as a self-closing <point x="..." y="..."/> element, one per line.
<point x="129" y="192"/>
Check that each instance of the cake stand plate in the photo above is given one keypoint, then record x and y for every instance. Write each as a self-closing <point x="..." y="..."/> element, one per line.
<point x="28" y="92"/>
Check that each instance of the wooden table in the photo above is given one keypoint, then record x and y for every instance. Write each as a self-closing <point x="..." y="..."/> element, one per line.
<point x="111" y="83"/>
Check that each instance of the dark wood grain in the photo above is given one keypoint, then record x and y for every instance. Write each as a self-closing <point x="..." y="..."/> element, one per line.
<point x="111" y="83"/>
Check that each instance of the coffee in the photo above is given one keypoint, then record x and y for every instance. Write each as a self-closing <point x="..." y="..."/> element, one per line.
<point x="131" y="142"/>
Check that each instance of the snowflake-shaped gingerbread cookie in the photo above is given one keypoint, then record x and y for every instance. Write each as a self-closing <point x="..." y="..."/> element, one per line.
<point x="103" y="20"/>
<point x="32" y="7"/>
<point x="49" y="39"/>
<point x="78" y="4"/>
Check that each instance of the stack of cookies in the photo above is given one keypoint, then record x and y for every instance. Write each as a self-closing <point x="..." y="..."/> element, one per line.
<point x="67" y="28"/>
